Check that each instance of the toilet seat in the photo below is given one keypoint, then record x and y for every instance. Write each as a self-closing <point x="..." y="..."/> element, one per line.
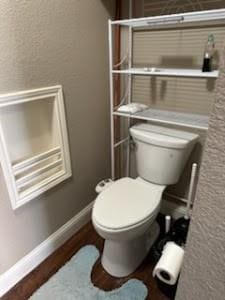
<point x="127" y="203"/>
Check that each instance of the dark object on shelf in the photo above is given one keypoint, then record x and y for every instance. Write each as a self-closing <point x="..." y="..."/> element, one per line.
<point x="206" y="65"/>
<point x="208" y="54"/>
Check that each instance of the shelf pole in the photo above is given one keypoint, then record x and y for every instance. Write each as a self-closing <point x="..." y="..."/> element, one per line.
<point x="130" y="47"/>
<point x="111" y="99"/>
<point x="192" y="184"/>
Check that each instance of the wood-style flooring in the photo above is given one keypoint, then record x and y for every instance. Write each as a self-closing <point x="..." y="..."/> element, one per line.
<point x="87" y="235"/>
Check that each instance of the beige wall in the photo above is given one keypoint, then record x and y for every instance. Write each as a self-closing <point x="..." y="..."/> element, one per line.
<point x="45" y="43"/>
<point x="203" y="273"/>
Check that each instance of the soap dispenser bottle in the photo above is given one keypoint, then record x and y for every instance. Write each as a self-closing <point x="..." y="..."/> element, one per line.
<point x="208" y="54"/>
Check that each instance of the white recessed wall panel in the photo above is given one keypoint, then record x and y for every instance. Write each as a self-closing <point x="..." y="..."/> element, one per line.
<point x="33" y="142"/>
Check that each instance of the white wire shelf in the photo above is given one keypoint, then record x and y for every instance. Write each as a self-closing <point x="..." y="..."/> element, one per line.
<point x="183" y="18"/>
<point x="169" y="117"/>
<point x="168" y="72"/>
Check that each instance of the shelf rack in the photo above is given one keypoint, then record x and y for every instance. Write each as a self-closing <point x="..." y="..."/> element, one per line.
<point x="199" y="18"/>
<point x="168" y="72"/>
<point x="169" y="117"/>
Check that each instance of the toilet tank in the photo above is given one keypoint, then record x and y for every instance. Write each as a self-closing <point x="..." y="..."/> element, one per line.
<point x="161" y="153"/>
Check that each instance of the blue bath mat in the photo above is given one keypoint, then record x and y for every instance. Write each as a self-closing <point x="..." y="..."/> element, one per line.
<point x="73" y="282"/>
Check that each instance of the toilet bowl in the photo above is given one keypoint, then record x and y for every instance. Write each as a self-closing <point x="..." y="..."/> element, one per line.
<point x="124" y="214"/>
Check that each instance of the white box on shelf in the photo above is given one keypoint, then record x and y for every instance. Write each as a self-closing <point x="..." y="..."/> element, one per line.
<point x="34" y="148"/>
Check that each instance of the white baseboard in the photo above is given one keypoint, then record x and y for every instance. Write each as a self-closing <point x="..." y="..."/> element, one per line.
<point x="42" y="251"/>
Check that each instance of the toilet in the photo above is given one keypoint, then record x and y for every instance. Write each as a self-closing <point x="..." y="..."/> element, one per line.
<point x="124" y="214"/>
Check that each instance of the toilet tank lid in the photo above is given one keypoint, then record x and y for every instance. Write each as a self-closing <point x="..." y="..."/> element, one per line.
<point x="163" y="136"/>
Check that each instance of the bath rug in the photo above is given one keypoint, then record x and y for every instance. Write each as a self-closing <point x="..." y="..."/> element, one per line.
<point x="73" y="282"/>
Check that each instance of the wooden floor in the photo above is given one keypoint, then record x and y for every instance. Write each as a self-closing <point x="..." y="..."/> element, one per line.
<point x="87" y="235"/>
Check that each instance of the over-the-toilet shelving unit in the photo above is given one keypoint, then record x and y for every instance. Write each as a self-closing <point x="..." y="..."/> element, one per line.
<point x="199" y="18"/>
<point x="34" y="149"/>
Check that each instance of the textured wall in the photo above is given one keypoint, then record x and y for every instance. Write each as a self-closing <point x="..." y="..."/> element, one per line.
<point x="203" y="273"/>
<point x="49" y="42"/>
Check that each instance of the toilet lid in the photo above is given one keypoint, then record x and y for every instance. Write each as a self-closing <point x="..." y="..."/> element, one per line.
<point x="126" y="202"/>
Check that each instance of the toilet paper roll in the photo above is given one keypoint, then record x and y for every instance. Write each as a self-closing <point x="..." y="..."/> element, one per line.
<point x="169" y="265"/>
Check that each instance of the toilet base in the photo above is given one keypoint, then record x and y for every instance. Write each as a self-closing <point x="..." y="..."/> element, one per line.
<point x="121" y="258"/>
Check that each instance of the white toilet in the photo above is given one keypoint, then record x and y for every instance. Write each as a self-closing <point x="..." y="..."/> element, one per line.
<point x="125" y="212"/>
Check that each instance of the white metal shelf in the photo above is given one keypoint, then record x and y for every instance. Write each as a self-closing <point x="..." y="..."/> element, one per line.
<point x="199" y="18"/>
<point x="168" y="72"/>
<point x="183" y="18"/>
<point x="169" y="117"/>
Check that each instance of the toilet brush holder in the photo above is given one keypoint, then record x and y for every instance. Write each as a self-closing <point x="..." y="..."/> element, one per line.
<point x="179" y="230"/>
